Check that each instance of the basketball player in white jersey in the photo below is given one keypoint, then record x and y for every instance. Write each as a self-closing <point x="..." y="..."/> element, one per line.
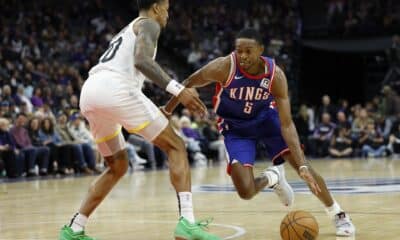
<point x="111" y="98"/>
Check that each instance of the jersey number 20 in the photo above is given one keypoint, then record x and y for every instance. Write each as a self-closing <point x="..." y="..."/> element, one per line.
<point x="111" y="51"/>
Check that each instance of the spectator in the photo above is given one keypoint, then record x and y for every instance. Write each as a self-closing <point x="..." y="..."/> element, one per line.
<point x="372" y="142"/>
<point x="13" y="161"/>
<point x="23" y="142"/>
<point x="5" y="110"/>
<point x="301" y="121"/>
<point x="215" y="140"/>
<point x="81" y="134"/>
<point x="59" y="152"/>
<point x="6" y="94"/>
<point x="194" y="58"/>
<point x="344" y="107"/>
<point x="384" y="125"/>
<point x="36" y="99"/>
<point x="394" y="141"/>
<point x="145" y="146"/>
<point x="343" y="123"/>
<point x="43" y="152"/>
<point x="45" y="112"/>
<point x="192" y="146"/>
<point x="135" y="161"/>
<point x="185" y="112"/>
<point x="341" y="144"/>
<point x="78" y="129"/>
<point x="360" y="122"/>
<point x="327" y="107"/>
<point x="20" y="98"/>
<point x="81" y="152"/>
<point x="193" y="140"/>
<point x="23" y="108"/>
<point x="321" y="138"/>
<point x="390" y="103"/>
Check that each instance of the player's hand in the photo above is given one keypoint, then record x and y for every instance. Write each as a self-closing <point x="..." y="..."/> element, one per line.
<point x="306" y="175"/>
<point x="190" y="99"/>
<point x="164" y="111"/>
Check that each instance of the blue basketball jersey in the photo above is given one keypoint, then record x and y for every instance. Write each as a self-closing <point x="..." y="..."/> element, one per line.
<point x="245" y="101"/>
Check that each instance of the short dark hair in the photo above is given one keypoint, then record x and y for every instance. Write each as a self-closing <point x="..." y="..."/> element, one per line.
<point x="250" y="33"/>
<point x="146" y="4"/>
<point x="21" y="114"/>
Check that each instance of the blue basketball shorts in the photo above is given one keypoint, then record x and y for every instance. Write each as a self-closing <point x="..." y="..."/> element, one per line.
<point x="241" y="144"/>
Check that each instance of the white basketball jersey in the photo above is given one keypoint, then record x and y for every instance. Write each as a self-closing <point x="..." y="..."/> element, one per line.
<point x="119" y="57"/>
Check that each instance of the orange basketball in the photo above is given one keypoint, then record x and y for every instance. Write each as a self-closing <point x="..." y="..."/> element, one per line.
<point x="299" y="225"/>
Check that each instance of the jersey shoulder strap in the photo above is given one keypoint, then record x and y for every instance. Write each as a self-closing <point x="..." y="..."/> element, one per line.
<point x="232" y="71"/>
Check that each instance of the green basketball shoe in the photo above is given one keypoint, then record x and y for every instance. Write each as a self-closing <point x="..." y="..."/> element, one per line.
<point x="196" y="231"/>
<point x="66" y="233"/>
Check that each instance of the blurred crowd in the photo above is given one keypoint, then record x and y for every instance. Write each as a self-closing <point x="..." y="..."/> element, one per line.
<point x="47" y="50"/>
<point x="204" y="30"/>
<point x="351" y="18"/>
<point x="362" y="130"/>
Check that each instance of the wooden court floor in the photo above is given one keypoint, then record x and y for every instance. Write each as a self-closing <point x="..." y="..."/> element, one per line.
<point x="143" y="205"/>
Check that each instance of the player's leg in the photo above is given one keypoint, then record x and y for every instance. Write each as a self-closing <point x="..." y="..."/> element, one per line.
<point x="117" y="165"/>
<point x="247" y="186"/>
<point x="347" y="152"/>
<point x="111" y="145"/>
<point x="343" y="224"/>
<point x="334" y="152"/>
<point x="162" y="135"/>
<point x="155" y="128"/>
<point x="241" y="157"/>
<point x="276" y="146"/>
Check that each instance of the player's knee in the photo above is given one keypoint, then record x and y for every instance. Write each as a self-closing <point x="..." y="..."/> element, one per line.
<point x="120" y="168"/>
<point x="245" y="195"/>
<point x="118" y="163"/>
<point x="176" y="144"/>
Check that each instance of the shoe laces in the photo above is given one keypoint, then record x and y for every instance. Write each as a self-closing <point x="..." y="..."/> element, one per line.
<point x="341" y="220"/>
<point x="203" y="224"/>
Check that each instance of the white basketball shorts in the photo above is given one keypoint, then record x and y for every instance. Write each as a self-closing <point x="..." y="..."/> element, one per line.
<point x="109" y="103"/>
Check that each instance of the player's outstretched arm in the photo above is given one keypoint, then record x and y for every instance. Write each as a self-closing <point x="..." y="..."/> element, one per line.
<point x="289" y="132"/>
<point x="215" y="71"/>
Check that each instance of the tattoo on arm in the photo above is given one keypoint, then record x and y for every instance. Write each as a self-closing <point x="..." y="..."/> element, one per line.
<point x="146" y="41"/>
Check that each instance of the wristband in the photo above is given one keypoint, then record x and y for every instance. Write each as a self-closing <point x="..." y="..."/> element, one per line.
<point x="174" y="87"/>
<point x="303" y="166"/>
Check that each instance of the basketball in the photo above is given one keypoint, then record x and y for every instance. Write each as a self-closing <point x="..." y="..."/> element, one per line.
<point x="299" y="225"/>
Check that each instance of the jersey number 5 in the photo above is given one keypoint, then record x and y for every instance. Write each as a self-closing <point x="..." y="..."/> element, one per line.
<point x="248" y="107"/>
<point x="111" y="51"/>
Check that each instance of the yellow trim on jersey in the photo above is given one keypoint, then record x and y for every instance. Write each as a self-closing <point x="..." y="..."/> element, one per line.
<point x="140" y="127"/>
<point x="109" y="137"/>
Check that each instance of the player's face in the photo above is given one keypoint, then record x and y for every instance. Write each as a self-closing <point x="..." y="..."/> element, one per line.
<point x="162" y="12"/>
<point x="248" y="52"/>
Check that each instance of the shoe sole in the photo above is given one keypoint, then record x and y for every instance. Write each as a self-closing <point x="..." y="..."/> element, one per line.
<point x="346" y="235"/>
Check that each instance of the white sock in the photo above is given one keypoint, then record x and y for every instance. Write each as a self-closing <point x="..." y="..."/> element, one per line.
<point x="78" y="222"/>
<point x="333" y="210"/>
<point x="186" y="206"/>
<point x="272" y="178"/>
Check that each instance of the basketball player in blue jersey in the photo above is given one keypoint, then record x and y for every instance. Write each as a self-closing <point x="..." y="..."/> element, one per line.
<point x="253" y="105"/>
<point x="112" y="98"/>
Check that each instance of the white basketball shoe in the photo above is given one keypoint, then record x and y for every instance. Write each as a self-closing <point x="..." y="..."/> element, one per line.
<point x="282" y="187"/>
<point x="344" y="226"/>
